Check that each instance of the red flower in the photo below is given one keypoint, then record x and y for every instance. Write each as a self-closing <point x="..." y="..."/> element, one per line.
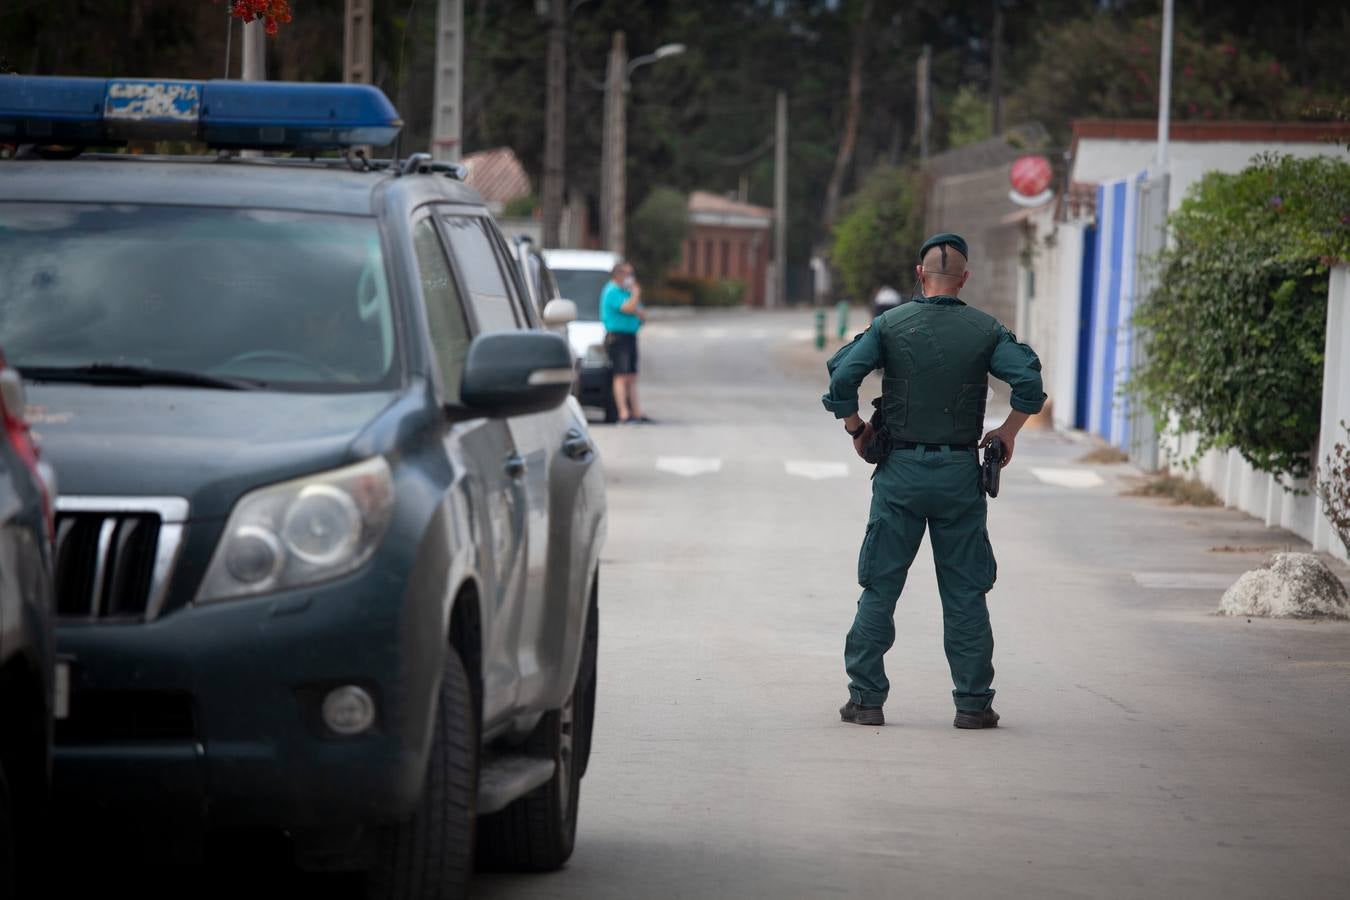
<point x="272" y="12"/>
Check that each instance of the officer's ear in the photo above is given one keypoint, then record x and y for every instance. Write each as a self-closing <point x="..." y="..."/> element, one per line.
<point x="965" y="276"/>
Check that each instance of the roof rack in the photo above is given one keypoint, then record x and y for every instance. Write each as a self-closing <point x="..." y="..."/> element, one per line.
<point x="424" y="164"/>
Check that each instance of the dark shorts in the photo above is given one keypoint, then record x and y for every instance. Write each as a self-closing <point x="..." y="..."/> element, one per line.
<point x="623" y="352"/>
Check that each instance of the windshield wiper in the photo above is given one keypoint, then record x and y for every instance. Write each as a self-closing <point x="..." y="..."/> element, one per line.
<point x="118" y="373"/>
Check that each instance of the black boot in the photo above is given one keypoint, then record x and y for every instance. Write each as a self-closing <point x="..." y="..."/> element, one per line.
<point x="861" y="715"/>
<point x="976" y="718"/>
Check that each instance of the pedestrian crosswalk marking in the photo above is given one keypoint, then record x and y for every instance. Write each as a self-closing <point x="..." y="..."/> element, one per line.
<point x="1069" y="478"/>
<point x="688" y="466"/>
<point x="816" y="471"/>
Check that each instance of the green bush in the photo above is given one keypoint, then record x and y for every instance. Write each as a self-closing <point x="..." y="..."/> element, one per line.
<point x="666" y="295"/>
<point x="521" y="207"/>
<point x="656" y="232"/>
<point x="877" y="240"/>
<point x="709" y="291"/>
<point x="1238" y="322"/>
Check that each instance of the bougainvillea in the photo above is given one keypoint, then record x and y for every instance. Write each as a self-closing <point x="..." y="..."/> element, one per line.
<point x="272" y="12"/>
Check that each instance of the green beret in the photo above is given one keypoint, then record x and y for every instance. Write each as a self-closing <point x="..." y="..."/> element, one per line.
<point x="955" y="241"/>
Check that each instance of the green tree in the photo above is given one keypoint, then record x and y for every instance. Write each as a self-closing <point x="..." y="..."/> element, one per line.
<point x="1238" y="322"/>
<point x="655" y="232"/>
<point x="968" y="117"/>
<point x="1108" y="67"/>
<point x="876" y="241"/>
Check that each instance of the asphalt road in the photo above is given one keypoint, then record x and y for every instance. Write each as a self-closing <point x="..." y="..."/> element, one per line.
<point x="1149" y="748"/>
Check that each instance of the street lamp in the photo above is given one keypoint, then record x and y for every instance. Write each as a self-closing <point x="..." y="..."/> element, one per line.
<point x="615" y="147"/>
<point x="661" y="52"/>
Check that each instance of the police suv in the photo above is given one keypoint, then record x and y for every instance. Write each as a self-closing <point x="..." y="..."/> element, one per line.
<point x="328" y="543"/>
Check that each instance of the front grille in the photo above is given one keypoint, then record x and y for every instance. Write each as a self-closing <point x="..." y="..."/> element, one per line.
<point x="114" y="556"/>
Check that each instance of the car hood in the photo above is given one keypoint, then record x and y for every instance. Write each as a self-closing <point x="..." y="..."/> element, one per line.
<point x="583" y="335"/>
<point x="204" y="445"/>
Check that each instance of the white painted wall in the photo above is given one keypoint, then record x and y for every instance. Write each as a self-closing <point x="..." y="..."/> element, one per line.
<point x="1063" y="381"/>
<point x="1258" y="494"/>
<point x="1335" y="394"/>
<point x="1104" y="159"/>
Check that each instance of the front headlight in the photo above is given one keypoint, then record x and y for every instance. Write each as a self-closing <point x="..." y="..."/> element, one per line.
<point x="301" y="532"/>
<point x="596" y="357"/>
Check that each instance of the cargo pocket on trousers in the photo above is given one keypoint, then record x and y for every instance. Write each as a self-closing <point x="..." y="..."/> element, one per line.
<point x="867" y="555"/>
<point x="991" y="565"/>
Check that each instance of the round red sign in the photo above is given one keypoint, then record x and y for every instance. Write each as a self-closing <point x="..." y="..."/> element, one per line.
<point x="1031" y="175"/>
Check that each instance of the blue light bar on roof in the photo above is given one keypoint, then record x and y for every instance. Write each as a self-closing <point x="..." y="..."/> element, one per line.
<point x="265" y="115"/>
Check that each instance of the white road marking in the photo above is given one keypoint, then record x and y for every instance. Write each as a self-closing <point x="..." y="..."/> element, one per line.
<point x="1195" y="581"/>
<point x="758" y="334"/>
<point x="713" y="334"/>
<point x="801" y="334"/>
<point x="1069" y="478"/>
<point x="816" y="471"/>
<point x="688" y="466"/>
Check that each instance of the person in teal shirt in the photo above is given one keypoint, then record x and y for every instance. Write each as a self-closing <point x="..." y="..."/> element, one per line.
<point x="936" y="354"/>
<point x="622" y="314"/>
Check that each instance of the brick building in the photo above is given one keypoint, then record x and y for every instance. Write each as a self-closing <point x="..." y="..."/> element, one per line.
<point x="728" y="240"/>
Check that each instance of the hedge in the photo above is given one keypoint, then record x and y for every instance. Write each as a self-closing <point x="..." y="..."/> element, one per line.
<point x="1237" y="324"/>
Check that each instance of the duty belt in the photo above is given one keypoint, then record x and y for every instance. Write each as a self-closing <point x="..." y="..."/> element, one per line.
<point x="931" y="448"/>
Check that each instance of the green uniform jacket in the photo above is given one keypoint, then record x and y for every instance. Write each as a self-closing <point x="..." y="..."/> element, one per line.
<point x="937" y="353"/>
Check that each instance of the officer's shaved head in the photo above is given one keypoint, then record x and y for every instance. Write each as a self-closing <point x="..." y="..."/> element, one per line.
<point x="944" y="260"/>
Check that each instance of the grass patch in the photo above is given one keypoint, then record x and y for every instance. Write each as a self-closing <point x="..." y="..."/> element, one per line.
<point x="1105" y="456"/>
<point x="1181" y="491"/>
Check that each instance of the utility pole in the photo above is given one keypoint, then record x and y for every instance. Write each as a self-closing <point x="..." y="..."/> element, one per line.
<point x="996" y="73"/>
<point x="357" y="42"/>
<point x="255" y="51"/>
<point x="446" y="122"/>
<point x="921" y="114"/>
<point x="612" y="187"/>
<point x="1165" y="89"/>
<point x="1150" y="240"/>
<point x="555" y="124"/>
<point x="778" y="296"/>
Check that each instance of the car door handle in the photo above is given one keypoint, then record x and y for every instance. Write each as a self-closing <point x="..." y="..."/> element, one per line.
<point x="515" y="466"/>
<point x="577" y="445"/>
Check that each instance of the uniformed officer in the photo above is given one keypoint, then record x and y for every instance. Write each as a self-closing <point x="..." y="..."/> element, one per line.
<point x="937" y="354"/>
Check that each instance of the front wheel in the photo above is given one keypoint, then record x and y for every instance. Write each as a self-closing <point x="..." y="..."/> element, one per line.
<point x="538" y="832"/>
<point x="6" y="838"/>
<point x="430" y="855"/>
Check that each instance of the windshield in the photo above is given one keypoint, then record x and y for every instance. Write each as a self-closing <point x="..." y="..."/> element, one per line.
<point x="582" y="287"/>
<point x="293" y="300"/>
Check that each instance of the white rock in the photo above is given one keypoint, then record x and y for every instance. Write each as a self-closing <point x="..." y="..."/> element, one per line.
<point x="1292" y="586"/>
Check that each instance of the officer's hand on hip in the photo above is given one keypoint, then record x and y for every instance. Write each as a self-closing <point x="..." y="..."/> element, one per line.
<point x="1005" y="434"/>
<point x="861" y="441"/>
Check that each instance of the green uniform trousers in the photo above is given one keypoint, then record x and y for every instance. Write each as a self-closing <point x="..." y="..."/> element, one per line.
<point x="939" y="489"/>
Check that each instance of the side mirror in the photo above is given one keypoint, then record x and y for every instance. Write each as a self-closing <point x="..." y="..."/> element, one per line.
<point x="513" y="373"/>
<point x="559" y="312"/>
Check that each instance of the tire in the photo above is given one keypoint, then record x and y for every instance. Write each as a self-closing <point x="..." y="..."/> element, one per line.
<point x="586" y="684"/>
<point x="7" y="883"/>
<point x="537" y="832"/>
<point x="430" y="855"/>
<point x="611" y="408"/>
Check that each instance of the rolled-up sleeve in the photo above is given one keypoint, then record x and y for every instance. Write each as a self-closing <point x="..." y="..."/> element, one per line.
<point x="1020" y="367"/>
<point x="863" y="356"/>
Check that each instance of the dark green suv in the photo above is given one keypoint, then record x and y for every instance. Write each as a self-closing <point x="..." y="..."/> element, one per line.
<point x="328" y="543"/>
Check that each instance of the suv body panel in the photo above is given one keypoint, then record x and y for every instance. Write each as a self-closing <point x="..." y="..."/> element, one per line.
<point x="525" y="550"/>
